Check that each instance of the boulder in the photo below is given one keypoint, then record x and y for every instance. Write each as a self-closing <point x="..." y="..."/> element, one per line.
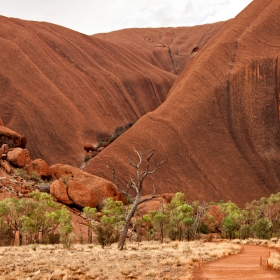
<point x="59" y="190"/>
<point x="81" y="194"/>
<point x="40" y="167"/>
<point x="18" y="157"/>
<point x="5" y="148"/>
<point x="216" y="212"/>
<point x="100" y="186"/>
<point x="168" y="196"/>
<point x="151" y="205"/>
<point x="91" y="154"/>
<point x="3" y="173"/>
<point x="89" y="147"/>
<point x="11" y="138"/>
<point x="6" y="166"/>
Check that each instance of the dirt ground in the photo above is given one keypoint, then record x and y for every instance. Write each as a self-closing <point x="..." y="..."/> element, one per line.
<point x="246" y="266"/>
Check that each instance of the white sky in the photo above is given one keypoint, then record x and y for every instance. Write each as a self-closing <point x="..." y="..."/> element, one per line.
<point x="96" y="16"/>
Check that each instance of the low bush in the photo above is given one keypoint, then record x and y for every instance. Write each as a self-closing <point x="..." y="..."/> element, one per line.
<point x="106" y="234"/>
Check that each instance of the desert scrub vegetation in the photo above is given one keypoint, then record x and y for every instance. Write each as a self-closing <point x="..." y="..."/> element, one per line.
<point x="144" y="260"/>
<point x="274" y="260"/>
<point x="117" y="133"/>
<point x="180" y="220"/>
<point x="37" y="219"/>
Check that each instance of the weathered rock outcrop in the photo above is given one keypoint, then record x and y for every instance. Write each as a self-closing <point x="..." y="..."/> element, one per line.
<point x="218" y="130"/>
<point x="40" y="167"/>
<point x="59" y="190"/>
<point x="155" y="204"/>
<point x="11" y="138"/>
<point x="81" y="194"/>
<point x="18" y="157"/>
<point x="101" y="188"/>
<point x="6" y="166"/>
<point x="104" y="83"/>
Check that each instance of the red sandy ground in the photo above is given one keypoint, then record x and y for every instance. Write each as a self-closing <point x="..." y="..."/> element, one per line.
<point x="245" y="265"/>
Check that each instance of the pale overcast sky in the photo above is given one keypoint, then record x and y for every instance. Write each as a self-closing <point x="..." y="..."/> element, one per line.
<point x="97" y="16"/>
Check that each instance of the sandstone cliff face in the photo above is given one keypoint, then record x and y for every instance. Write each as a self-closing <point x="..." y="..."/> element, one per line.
<point x="62" y="89"/>
<point x="218" y="130"/>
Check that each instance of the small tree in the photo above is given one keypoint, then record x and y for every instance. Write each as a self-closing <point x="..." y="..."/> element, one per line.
<point x="160" y="222"/>
<point x="11" y="212"/>
<point x="181" y="217"/>
<point x="90" y="214"/>
<point x="106" y="234"/>
<point x="42" y="217"/>
<point x="229" y="226"/>
<point x="113" y="213"/>
<point x="244" y="232"/>
<point x="143" y="169"/>
<point x="148" y="220"/>
<point x="262" y="228"/>
<point x="66" y="228"/>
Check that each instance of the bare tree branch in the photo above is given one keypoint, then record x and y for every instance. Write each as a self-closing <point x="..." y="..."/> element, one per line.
<point x="117" y="183"/>
<point x="137" y="185"/>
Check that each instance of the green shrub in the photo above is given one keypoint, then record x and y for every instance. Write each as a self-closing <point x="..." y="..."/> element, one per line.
<point x="87" y="158"/>
<point x="106" y="234"/>
<point x="67" y="237"/>
<point x="262" y="229"/>
<point x="64" y="179"/>
<point x="244" y="232"/>
<point x="35" y="176"/>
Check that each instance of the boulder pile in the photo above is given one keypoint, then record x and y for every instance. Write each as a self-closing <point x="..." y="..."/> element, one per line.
<point x="67" y="184"/>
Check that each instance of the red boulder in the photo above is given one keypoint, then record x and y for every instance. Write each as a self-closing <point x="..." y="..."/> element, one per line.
<point x="80" y="194"/>
<point x="40" y="167"/>
<point x="18" y="157"/>
<point x="59" y="190"/>
<point x="101" y="187"/>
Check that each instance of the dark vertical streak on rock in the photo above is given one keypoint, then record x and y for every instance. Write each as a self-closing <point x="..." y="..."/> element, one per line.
<point x="170" y="55"/>
<point x="277" y="88"/>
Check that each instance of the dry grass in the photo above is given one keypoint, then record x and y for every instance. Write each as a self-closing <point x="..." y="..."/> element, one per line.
<point x="274" y="243"/>
<point x="274" y="260"/>
<point x="146" y="260"/>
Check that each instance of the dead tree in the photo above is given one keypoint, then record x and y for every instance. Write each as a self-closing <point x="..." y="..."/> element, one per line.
<point x="134" y="187"/>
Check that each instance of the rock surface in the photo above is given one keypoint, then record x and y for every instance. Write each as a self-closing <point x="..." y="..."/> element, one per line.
<point x="6" y="166"/>
<point x="40" y="167"/>
<point x="18" y="157"/>
<point x="217" y="126"/>
<point x="102" y="188"/>
<point x="81" y="194"/>
<point x="151" y="205"/>
<point x="218" y="130"/>
<point x="104" y="82"/>
<point x="10" y="137"/>
<point x="59" y="191"/>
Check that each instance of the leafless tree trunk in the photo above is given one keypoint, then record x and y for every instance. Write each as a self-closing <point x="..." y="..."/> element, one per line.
<point x="199" y="214"/>
<point x="135" y="185"/>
